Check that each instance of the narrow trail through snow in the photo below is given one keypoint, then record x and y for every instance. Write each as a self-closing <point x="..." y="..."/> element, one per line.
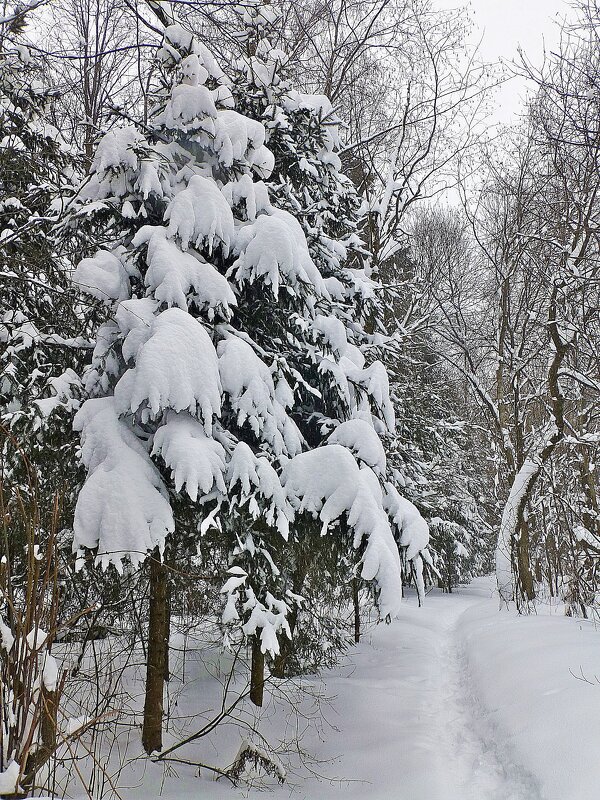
<point x="420" y="732"/>
<point x="469" y="756"/>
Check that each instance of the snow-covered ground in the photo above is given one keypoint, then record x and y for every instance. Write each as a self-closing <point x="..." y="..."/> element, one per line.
<point x="457" y="700"/>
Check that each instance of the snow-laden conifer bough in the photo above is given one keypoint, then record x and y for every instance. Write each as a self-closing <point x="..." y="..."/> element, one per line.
<point x="231" y="367"/>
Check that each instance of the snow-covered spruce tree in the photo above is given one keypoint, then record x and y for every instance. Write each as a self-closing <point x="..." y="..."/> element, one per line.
<point x="304" y="135"/>
<point x="38" y="326"/>
<point x="41" y="344"/>
<point x="206" y="374"/>
<point x="430" y="462"/>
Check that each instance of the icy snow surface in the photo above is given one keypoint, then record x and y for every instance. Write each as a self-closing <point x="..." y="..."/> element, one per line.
<point x="9" y="778"/>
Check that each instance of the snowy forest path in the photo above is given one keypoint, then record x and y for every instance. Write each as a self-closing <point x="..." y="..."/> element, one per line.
<point x="403" y="719"/>
<point x="410" y="722"/>
<point x="470" y="758"/>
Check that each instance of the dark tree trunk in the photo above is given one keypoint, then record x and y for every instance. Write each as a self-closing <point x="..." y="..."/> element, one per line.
<point x="257" y="673"/>
<point x="156" y="660"/>
<point x="286" y="647"/>
<point x="303" y="559"/>
<point x="167" y="672"/>
<point x="356" y="605"/>
<point x="524" y="573"/>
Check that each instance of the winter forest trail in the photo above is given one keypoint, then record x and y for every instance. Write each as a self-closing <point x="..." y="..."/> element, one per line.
<point x="469" y="759"/>
<point x="457" y="700"/>
<point x="431" y="731"/>
<point x="406" y="721"/>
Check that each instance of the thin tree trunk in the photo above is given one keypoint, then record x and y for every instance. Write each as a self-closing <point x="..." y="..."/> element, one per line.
<point x="525" y="479"/>
<point x="257" y="673"/>
<point x="303" y="558"/>
<point x="156" y="659"/>
<point x="167" y="672"/>
<point x="47" y="746"/>
<point x="356" y="604"/>
<point x="286" y="647"/>
<point x="524" y="573"/>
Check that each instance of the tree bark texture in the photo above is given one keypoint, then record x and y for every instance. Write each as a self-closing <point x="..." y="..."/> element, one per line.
<point x="257" y="673"/>
<point x="356" y="605"/>
<point x="156" y="660"/>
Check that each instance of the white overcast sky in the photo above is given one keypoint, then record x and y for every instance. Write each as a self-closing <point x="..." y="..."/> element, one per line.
<point x="506" y="24"/>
